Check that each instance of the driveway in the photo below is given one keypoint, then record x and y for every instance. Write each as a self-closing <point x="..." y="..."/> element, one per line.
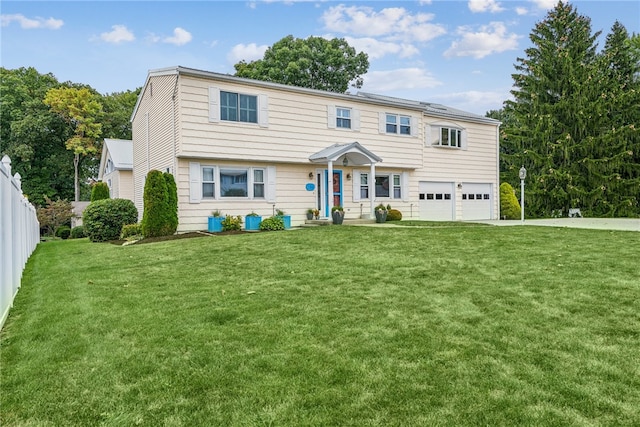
<point x="624" y="224"/>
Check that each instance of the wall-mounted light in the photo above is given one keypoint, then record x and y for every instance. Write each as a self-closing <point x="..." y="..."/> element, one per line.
<point x="459" y="186"/>
<point x="310" y="175"/>
<point x="348" y="177"/>
<point x="345" y="162"/>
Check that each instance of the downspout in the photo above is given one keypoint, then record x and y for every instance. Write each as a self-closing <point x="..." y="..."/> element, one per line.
<point x="146" y="118"/>
<point x="329" y="186"/>
<point x="372" y="190"/>
<point x="173" y="124"/>
<point x="497" y="190"/>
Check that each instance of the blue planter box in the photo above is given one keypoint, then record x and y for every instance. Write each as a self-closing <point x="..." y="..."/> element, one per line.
<point x="215" y="224"/>
<point x="252" y="222"/>
<point x="287" y="221"/>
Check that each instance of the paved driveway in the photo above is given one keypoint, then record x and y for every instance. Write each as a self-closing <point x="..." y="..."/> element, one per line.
<point x="625" y="224"/>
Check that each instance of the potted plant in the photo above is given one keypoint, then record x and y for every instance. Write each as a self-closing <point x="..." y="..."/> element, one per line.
<point x="316" y="213"/>
<point x="337" y="215"/>
<point x="381" y="213"/>
<point x="215" y="222"/>
<point x="310" y="213"/>
<point x="252" y="221"/>
<point x="286" y="219"/>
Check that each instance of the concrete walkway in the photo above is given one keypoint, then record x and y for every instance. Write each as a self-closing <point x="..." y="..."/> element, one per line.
<point x="624" y="224"/>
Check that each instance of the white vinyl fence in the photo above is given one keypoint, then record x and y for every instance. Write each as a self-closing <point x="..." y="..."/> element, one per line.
<point x="19" y="235"/>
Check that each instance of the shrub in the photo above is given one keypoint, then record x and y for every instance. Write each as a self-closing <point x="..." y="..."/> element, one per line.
<point x="156" y="217"/>
<point x="63" y="232"/>
<point x="231" y="223"/>
<point x="55" y="215"/>
<point x="129" y="230"/>
<point x="509" y="206"/>
<point x="77" y="232"/>
<point x="172" y="200"/>
<point x="103" y="219"/>
<point x="394" y="215"/>
<point x="272" y="223"/>
<point x="100" y="191"/>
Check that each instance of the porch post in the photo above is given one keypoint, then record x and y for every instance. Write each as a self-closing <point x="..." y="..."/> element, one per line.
<point x="329" y="186"/>
<point x="372" y="190"/>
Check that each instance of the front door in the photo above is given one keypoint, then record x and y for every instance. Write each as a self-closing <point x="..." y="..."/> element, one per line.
<point x="336" y="184"/>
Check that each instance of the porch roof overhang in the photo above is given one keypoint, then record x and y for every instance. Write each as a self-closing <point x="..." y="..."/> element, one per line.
<point x="354" y="153"/>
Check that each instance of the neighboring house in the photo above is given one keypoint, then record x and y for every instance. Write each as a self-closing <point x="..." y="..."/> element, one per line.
<point x="116" y="168"/>
<point x="238" y="145"/>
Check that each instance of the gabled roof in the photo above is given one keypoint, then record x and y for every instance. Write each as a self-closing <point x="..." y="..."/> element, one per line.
<point x="432" y="109"/>
<point x="354" y="153"/>
<point x="120" y="151"/>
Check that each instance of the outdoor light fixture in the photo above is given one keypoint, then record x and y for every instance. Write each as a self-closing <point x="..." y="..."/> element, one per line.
<point x="523" y="175"/>
<point x="310" y="175"/>
<point x="345" y="162"/>
<point x="348" y="177"/>
<point x="459" y="186"/>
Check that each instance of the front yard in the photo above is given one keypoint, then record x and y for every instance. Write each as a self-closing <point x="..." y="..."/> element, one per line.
<point x="361" y="326"/>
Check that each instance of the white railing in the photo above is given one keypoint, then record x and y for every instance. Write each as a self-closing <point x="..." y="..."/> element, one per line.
<point x="19" y="235"/>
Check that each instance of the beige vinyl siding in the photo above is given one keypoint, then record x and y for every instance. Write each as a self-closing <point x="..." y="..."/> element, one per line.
<point x="297" y="127"/>
<point x="153" y="149"/>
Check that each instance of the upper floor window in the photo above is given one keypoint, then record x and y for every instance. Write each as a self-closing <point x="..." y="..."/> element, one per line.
<point x="237" y="107"/>
<point x="109" y="167"/>
<point x="447" y="135"/>
<point x="398" y="124"/>
<point x="450" y="137"/>
<point x="343" y="118"/>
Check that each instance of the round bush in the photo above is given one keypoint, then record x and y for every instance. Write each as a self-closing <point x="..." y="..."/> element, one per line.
<point x="394" y="215"/>
<point x="129" y="230"/>
<point x="63" y="232"/>
<point x="103" y="219"/>
<point x="99" y="191"/>
<point x="509" y="206"/>
<point x="232" y="223"/>
<point x="272" y="223"/>
<point x="77" y="232"/>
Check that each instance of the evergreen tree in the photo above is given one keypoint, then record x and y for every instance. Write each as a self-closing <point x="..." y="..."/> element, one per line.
<point x="172" y="201"/>
<point x="156" y="217"/>
<point x="99" y="191"/>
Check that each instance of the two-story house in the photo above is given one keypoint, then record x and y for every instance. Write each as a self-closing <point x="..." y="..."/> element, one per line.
<point x="238" y="146"/>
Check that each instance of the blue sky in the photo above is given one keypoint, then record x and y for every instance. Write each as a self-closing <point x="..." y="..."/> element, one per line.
<point x="458" y="53"/>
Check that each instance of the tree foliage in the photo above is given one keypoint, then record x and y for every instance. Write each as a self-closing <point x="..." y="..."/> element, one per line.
<point x="99" y="191"/>
<point x="315" y="63"/>
<point x="572" y="121"/>
<point x="159" y="217"/>
<point x="103" y="219"/>
<point x="54" y="215"/>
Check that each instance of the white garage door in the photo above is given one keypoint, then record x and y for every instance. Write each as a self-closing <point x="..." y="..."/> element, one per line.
<point x="477" y="200"/>
<point x="437" y="201"/>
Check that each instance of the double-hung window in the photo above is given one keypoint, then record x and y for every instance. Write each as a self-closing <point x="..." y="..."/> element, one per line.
<point x="343" y="118"/>
<point x="450" y="137"/>
<point x="237" y="107"/>
<point x="233" y="182"/>
<point x="208" y="182"/>
<point x="398" y="124"/>
<point x="386" y="186"/>
<point x="258" y="183"/>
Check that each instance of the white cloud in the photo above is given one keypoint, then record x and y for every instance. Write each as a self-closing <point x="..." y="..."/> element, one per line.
<point x="473" y="101"/>
<point x="545" y="4"/>
<point x="376" y="49"/>
<point x="30" y="24"/>
<point x="179" y="38"/>
<point x="477" y="6"/>
<point x="491" y="38"/>
<point x="522" y="10"/>
<point x="119" y="34"/>
<point x="399" y="79"/>
<point x="394" y="23"/>
<point x="249" y="52"/>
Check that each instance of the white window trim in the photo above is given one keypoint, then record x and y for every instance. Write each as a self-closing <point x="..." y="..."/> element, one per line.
<point x="195" y="182"/>
<point x="433" y="132"/>
<point x="332" y="118"/>
<point x="413" y="123"/>
<point x="404" y="186"/>
<point x="262" y="108"/>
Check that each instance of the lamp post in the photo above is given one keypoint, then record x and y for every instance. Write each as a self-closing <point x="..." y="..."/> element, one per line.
<point x="523" y="175"/>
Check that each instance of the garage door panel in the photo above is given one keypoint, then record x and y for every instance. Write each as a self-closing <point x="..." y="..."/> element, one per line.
<point x="436" y="201"/>
<point x="477" y="201"/>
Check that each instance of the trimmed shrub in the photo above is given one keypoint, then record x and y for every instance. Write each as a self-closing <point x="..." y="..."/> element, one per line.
<point x="394" y="215"/>
<point x="129" y="230"/>
<point x="100" y="191"/>
<point x="63" y="232"/>
<point x="172" y="200"/>
<point x="272" y="223"/>
<point x="509" y="206"/>
<point x="156" y="217"/>
<point x="232" y="223"/>
<point x="103" y="219"/>
<point x="77" y="232"/>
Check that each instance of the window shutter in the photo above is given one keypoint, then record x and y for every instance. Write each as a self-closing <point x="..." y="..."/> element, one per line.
<point x="263" y="111"/>
<point x="356" y="186"/>
<point x="463" y="137"/>
<point x="414" y="126"/>
<point x="382" y="124"/>
<point x="214" y="104"/>
<point x="428" y="140"/>
<point x="355" y="119"/>
<point x="271" y="184"/>
<point x="404" y="181"/>
<point x="331" y="116"/>
<point x="195" y="183"/>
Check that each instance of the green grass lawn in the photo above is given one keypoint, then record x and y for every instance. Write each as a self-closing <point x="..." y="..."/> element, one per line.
<point x="330" y="326"/>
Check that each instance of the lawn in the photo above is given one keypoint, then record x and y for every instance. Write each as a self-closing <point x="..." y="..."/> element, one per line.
<point x="330" y="326"/>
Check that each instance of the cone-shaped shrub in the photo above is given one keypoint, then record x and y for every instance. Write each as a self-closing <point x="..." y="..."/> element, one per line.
<point x="172" y="200"/>
<point x="156" y="216"/>
<point x="509" y="206"/>
<point x="100" y="191"/>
